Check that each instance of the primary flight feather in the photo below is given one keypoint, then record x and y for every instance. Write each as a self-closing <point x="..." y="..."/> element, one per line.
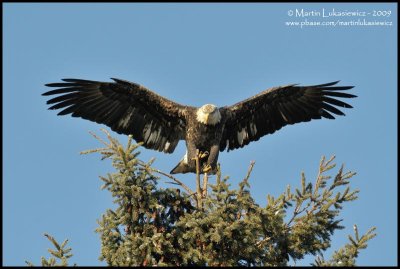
<point x="132" y="109"/>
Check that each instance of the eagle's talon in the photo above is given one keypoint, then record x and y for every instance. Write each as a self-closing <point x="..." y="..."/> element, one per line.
<point x="207" y="168"/>
<point x="204" y="154"/>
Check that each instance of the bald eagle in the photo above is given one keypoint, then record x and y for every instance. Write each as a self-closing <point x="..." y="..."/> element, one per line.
<point x="132" y="109"/>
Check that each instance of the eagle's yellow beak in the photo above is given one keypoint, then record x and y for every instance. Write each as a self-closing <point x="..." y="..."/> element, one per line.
<point x="207" y="115"/>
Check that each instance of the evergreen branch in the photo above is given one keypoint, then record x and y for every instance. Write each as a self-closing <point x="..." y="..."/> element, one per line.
<point x="60" y="253"/>
<point x="346" y="255"/>
<point x="311" y="232"/>
<point x="297" y="211"/>
<point x="247" y="177"/>
<point x="152" y="226"/>
<point x="99" y="138"/>
<point x="261" y="243"/>
<point x="177" y="181"/>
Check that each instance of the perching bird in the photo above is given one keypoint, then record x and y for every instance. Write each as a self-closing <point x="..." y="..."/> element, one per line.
<point x="131" y="109"/>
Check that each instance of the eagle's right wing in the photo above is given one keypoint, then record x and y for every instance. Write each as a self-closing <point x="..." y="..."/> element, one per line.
<point x="126" y="107"/>
<point x="274" y="108"/>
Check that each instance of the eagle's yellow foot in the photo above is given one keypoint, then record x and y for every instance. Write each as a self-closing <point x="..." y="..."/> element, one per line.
<point x="207" y="168"/>
<point x="204" y="154"/>
<point x="201" y="155"/>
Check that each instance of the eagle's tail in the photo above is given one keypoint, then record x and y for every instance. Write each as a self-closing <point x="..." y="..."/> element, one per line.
<point x="183" y="167"/>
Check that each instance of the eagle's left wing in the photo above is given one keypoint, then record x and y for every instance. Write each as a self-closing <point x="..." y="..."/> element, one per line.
<point x="274" y="108"/>
<point x="126" y="107"/>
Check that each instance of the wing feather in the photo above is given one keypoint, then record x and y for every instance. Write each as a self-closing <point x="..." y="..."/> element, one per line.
<point x="277" y="107"/>
<point x="126" y="107"/>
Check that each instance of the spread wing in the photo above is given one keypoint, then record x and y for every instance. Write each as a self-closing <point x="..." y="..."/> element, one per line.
<point x="126" y="107"/>
<point x="274" y="108"/>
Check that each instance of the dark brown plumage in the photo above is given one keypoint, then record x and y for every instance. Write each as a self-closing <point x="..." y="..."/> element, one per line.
<point x="129" y="108"/>
<point x="274" y="108"/>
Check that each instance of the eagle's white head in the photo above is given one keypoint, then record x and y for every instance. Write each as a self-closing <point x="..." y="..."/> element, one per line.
<point x="208" y="114"/>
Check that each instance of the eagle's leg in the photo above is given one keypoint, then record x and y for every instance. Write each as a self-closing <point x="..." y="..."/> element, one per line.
<point x="191" y="154"/>
<point x="211" y="164"/>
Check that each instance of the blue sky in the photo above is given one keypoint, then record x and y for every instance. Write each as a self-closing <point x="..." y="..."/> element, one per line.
<point x="192" y="54"/>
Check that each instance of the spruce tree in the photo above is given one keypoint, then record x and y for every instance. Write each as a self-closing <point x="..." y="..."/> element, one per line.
<point x="216" y="224"/>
